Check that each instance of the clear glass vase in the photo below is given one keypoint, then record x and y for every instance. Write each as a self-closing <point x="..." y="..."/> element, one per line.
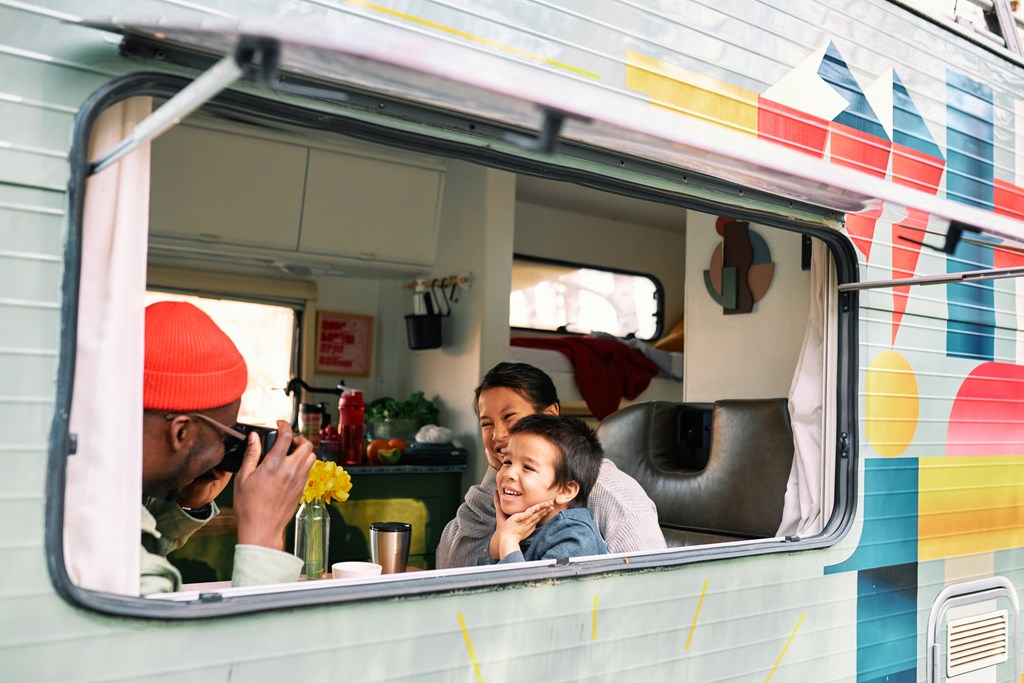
<point x="312" y="532"/>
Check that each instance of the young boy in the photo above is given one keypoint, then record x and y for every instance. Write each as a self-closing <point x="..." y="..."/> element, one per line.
<point x="547" y="472"/>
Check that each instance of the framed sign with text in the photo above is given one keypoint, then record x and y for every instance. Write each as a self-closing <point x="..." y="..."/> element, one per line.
<point x="344" y="343"/>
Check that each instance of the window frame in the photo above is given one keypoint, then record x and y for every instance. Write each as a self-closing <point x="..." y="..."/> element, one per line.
<point x="967" y="35"/>
<point x="659" y="293"/>
<point x="707" y="196"/>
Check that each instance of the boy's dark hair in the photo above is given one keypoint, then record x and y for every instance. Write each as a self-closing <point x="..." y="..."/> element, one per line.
<point x="532" y="383"/>
<point x="580" y="449"/>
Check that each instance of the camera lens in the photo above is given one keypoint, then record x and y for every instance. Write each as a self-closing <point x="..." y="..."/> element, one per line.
<point x="234" y="449"/>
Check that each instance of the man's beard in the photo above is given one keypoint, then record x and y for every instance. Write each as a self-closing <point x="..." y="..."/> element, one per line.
<point x="169" y="486"/>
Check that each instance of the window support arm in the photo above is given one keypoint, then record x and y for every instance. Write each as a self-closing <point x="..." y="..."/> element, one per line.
<point x="252" y="57"/>
<point x="968" y="276"/>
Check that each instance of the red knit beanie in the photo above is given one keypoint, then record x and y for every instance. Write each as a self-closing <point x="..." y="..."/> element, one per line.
<point x="190" y="363"/>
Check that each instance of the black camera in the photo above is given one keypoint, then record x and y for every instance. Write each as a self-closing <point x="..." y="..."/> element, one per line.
<point x="234" y="448"/>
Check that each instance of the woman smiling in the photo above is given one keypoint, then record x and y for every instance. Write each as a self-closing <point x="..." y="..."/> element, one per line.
<point x="625" y="516"/>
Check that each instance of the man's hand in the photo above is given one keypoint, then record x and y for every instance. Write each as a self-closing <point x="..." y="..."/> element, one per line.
<point x="510" y="530"/>
<point x="266" y="495"/>
<point x="203" y="489"/>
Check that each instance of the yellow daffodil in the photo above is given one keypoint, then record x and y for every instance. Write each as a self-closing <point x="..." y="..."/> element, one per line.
<point x="327" y="482"/>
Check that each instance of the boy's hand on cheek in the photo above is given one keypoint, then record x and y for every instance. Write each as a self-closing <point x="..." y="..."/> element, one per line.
<point x="513" y="529"/>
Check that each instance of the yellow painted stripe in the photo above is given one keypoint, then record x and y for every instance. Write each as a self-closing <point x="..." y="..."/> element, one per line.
<point x="593" y="624"/>
<point x="788" y="643"/>
<point x="693" y="626"/>
<point x="687" y="92"/>
<point x="469" y="648"/>
<point x="412" y="18"/>
<point x="969" y="505"/>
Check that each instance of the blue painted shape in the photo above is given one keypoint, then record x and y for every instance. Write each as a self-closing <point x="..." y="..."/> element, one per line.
<point x="890" y="516"/>
<point x="905" y="676"/>
<point x="969" y="141"/>
<point x="909" y="128"/>
<point x="970" y="329"/>
<point x="887" y="623"/>
<point x="969" y="179"/>
<point x="858" y="114"/>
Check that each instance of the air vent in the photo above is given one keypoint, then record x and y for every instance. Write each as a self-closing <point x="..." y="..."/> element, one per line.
<point x="976" y="642"/>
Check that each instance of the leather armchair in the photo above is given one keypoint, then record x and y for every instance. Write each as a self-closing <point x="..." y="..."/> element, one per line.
<point x="729" y="487"/>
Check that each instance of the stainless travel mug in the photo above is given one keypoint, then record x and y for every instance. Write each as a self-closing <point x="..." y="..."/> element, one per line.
<point x="389" y="545"/>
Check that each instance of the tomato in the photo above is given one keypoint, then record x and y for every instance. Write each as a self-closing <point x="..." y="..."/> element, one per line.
<point x="374" y="448"/>
<point x="397" y="444"/>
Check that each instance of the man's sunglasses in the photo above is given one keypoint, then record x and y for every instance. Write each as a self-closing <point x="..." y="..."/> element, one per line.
<point x="236" y="439"/>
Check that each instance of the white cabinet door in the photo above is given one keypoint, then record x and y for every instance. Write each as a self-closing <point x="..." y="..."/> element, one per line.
<point x="228" y="189"/>
<point x="371" y="209"/>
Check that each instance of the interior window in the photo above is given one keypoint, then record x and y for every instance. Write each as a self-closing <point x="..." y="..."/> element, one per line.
<point x="565" y="297"/>
<point x="265" y="336"/>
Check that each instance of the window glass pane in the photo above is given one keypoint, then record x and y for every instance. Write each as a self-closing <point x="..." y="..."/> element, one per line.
<point x="969" y="14"/>
<point x="264" y="334"/>
<point x="570" y="298"/>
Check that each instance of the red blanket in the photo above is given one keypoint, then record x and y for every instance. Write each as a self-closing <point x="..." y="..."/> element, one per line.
<point x="605" y="370"/>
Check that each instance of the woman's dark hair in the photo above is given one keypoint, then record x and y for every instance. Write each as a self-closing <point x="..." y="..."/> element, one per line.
<point x="580" y="448"/>
<point x="530" y="382"/>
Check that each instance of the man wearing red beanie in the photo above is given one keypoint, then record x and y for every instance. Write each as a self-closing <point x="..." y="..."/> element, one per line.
<point x="193" y="382"/>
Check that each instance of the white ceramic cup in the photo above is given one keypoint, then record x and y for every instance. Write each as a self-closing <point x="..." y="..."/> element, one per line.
<point x="354" y="570"/>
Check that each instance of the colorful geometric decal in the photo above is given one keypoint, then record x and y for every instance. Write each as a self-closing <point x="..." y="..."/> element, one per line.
<point x="687" y="92"/>
<point x="741" y="267"/>
<point x="970" y="330"/>
<point x="916" y="162"/>
<point x="969" y="140"/>
<point x="891" y="404"/>
<point x="889" y="536"/>
<point x="791" y="127"/>
<point x="858" y="113"/>
<point x="970" y="180"/>
<point x="858" y="141"/>
<point x="820" y="109"/>
<point x="887" y="624"/>
<point x="796" y="110"/>
<point x="1008" y="200"/>
<point x="969" y="505"/>
<point x="987" y="417"/>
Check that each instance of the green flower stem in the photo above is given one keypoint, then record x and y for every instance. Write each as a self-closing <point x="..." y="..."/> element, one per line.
<point x="315" y="530"/>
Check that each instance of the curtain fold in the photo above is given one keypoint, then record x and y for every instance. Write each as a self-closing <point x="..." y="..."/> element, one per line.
<point x="807" y="506"/>
<point x="104" y="477"/>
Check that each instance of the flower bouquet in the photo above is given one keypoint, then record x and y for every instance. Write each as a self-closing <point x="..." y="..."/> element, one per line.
<point x="326" y="482"/>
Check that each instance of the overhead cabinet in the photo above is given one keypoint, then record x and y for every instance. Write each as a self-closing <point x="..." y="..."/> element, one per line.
<point x="228" y="189"/>
<point x="240" y="191"/>
<point x="371" y="208"/>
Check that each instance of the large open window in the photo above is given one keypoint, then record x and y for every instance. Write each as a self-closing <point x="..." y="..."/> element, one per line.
<point x="320" y="209"/>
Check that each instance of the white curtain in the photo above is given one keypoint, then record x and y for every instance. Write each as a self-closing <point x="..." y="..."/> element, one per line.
<point x="104" y="478"/>
<point x="810" y="492"/>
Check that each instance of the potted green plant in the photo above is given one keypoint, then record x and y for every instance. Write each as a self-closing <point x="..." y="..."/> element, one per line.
<point x="388" y="419"/>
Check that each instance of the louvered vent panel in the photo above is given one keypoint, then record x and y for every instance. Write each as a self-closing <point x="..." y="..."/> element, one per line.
<point x="976" y="642"/>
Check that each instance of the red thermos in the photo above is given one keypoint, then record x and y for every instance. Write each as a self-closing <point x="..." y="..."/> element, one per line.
<point x="350" y="427"/>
